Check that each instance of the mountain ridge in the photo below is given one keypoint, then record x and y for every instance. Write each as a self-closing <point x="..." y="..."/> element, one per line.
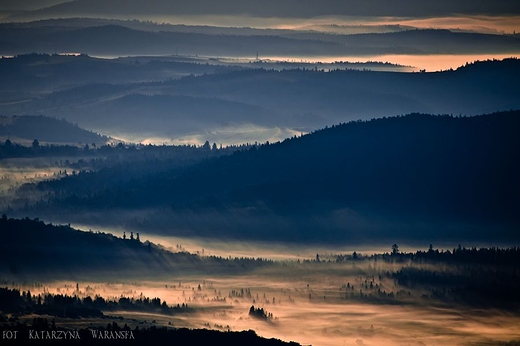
<point x="127" y="39"/>
<point x="299" y="100"/>
<point x="438" y="170"/>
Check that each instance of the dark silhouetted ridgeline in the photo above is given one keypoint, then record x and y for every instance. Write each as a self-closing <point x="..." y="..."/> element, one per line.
<point x="31" y="249"/>
<point x="164" y="100"/>
<point x="113" y="334"/>
<point x="416" y="167"/>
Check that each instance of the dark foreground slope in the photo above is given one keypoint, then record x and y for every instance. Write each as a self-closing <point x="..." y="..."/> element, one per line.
<point x="31" y="249"/>
<point x="416" y="176"/>
<point x="143" y="336"/>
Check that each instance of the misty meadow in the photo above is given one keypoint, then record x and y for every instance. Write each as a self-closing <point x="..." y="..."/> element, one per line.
<point x="274" y="173"/>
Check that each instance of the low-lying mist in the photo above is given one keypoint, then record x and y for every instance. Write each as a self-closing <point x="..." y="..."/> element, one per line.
<point x="311" y="294"/>
<point x="343" y="227"/>
<point x="15" y="172"/>
<point x="310" y="302"/>
<point x="225" y="135"/>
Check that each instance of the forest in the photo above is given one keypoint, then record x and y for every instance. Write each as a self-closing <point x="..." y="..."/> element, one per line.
<point x="122" y="38"/>
<point x="15" y="302"/>
<point x="232" y="102"/>
<point x="236" y="172"/>
<point x="416" y="168"/>
<point x="472" y="276"/>
<point x="202" y="291"/>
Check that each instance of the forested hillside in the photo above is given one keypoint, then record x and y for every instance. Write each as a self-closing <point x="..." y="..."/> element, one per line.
<point x="409" y="168"/>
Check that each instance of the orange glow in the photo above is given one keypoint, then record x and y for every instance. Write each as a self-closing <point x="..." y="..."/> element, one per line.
<point x="430" y="63"/>
<point x="308" y="307"/>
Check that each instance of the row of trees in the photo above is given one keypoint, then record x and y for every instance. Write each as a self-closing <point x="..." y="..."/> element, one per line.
<point x="460" y="254"/>
<point x="10" y="149"/>
<point x="14" y="301"/>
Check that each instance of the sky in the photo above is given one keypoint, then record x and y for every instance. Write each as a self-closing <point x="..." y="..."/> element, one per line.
<point x="286" y="8"/>
<point x="485" y="16"/>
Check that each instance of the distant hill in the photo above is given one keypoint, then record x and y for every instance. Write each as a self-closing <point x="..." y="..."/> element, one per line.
<point x="419" y="41"/>
<point x="126" y="39"/>
<point x="37" y="74"/>
<point x="413" y="177"/>
<point x="224" y="99"/>
<point x="169" y="115"/>
<point x="46" y="129"/>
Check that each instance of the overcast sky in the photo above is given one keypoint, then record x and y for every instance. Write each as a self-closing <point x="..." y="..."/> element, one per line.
<point x="281" y="8"/>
